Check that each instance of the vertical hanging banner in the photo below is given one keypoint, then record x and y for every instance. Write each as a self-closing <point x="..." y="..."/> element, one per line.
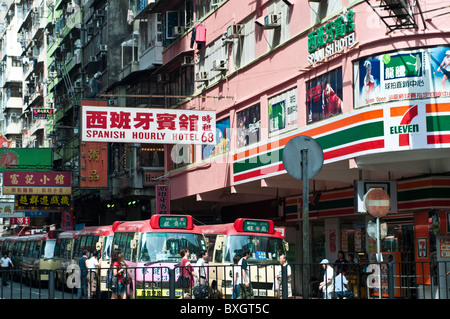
<point x="67" y="223"/>
<point x="162" y="199"/>
<point x="93" y="158"/>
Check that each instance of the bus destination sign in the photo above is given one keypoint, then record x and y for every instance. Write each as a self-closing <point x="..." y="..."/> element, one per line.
<point x="256" y="226"/>
<point x="173" y="222"/>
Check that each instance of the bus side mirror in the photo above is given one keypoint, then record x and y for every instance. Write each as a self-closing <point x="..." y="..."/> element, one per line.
<point x="133" y="244"/>
<point x="286" y="246"/>
<point x="69" y="247"/>
<point x="98" y="246"/>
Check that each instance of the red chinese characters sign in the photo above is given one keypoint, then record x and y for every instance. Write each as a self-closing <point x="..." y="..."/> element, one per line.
<point x="147" y="125"/>
<point x="47" y="183"/>
<point x="93" y="165"/>
<point x="162" y="199"/>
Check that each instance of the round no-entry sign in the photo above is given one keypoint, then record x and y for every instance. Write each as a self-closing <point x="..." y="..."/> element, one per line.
<point x="377" y="202"/>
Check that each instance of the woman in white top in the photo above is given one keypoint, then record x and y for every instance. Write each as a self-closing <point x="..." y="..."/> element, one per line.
<point x="445" y="68"/>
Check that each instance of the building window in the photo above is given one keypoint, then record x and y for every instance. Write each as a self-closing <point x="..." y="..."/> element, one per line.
<point x="152" y="155"/>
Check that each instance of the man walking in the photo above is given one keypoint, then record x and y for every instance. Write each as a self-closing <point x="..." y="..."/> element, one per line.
<point x="327" y="285"/>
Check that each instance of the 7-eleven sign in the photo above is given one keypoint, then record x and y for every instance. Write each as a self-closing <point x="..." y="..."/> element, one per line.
<point x="422" y="248"/>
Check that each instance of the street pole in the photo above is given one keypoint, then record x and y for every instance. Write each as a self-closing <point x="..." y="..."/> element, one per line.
<point x="379" y="256"/>
<point x="305" y="217"/>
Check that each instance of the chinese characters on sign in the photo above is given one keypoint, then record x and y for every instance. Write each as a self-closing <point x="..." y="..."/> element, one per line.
<point x="16" y="183"/>
<point x="162" y="199"/>
<point x="139" y="125"/>
<point x="42" y="114"/>
<point x="37" y="202"/>
<point x="400" y="75"/>
<point x="93" y="165"/>
<point x="331" y="38"/>
<point x="7" y="211"/>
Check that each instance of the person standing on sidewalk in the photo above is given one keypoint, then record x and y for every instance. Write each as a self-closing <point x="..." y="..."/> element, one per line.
<point x="5" y="263"/>
<point x="82" y="263"/>
<point x="92" y="278"/>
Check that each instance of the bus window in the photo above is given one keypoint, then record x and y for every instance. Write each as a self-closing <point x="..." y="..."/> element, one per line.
<point x="106" y="254"/>
<point x="37" y="247"/>
<point x="166" y="246"/>
<point x="48" y="249"/>
<point x="262" y="249"/>
<point x="210" y="249"/>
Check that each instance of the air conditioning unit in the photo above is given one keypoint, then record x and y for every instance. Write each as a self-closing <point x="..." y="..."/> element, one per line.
<point x="92" y="59"/>
<point x="215" y="2"/>
<point x="201" y="77"/>
<point x="187" y="60"/>
<point x="271" y="21"/>
<point x="103" y="47"/>
<point x="177" y="30"/>
<point x="219" y="65"/>
<point x="99" y="13"/>
<point x="235" y="31"/>
<point x="162" y="78"/>
<point x="90" y="30"/>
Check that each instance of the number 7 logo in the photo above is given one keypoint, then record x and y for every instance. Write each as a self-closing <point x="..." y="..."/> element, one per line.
<point x="422" y="248"/>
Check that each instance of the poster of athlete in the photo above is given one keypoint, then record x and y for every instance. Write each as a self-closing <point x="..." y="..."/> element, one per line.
<point x="324" y="96"/>
<point x="402" y="75"/>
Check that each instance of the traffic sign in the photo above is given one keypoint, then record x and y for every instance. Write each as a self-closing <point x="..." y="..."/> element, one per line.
<point x="292" y="159"/>
<point x="377" y="202"/>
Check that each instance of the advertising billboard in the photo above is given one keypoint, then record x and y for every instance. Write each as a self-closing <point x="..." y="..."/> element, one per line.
<point x="283" y="111"/>
<point x="24" y="159"/>
<point x="324" y="96"/>
<point x="402" y="75"/>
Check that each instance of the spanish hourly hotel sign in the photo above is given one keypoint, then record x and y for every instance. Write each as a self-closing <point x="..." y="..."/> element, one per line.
<point x="331" y="37"/>
<point x="148" y="125"/>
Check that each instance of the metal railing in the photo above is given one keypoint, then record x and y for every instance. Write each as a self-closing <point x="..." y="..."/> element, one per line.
<point x="405" y="280"/>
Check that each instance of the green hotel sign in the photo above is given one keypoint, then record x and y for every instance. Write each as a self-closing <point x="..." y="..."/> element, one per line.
<point x="331" y="37"/>
<point x="25" y="159"/>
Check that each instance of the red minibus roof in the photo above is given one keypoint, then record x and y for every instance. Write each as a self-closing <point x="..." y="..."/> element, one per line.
<point x="69" y="234"/>
<point x="255" y="227"/>
<point x="97" y="230"/>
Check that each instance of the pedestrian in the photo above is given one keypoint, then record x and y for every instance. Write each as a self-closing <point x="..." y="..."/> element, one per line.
<point x="119" y="266"/>
<point x="279" y="281"/>
<point x="341" y="263"/>
<point x="244" y="278"/>
<point x="201" y="288"/>
<point x="327" y="285"/>
<point x="340" y="283"/>
<point x="236" y="270"/>
<point x="83" y="264"/>
<point x="6" y="262"/>
<point x="92" y="279"/>
<point x="186" y="271"/>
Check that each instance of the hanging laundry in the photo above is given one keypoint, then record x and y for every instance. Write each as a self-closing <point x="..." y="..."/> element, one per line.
<point x="200" y="35"/>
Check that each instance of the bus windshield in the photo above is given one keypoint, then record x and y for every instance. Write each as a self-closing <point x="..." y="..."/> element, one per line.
<point x="160" y="247"/>
<point x="262" y="249"/>
<point x="48" y="249"/>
